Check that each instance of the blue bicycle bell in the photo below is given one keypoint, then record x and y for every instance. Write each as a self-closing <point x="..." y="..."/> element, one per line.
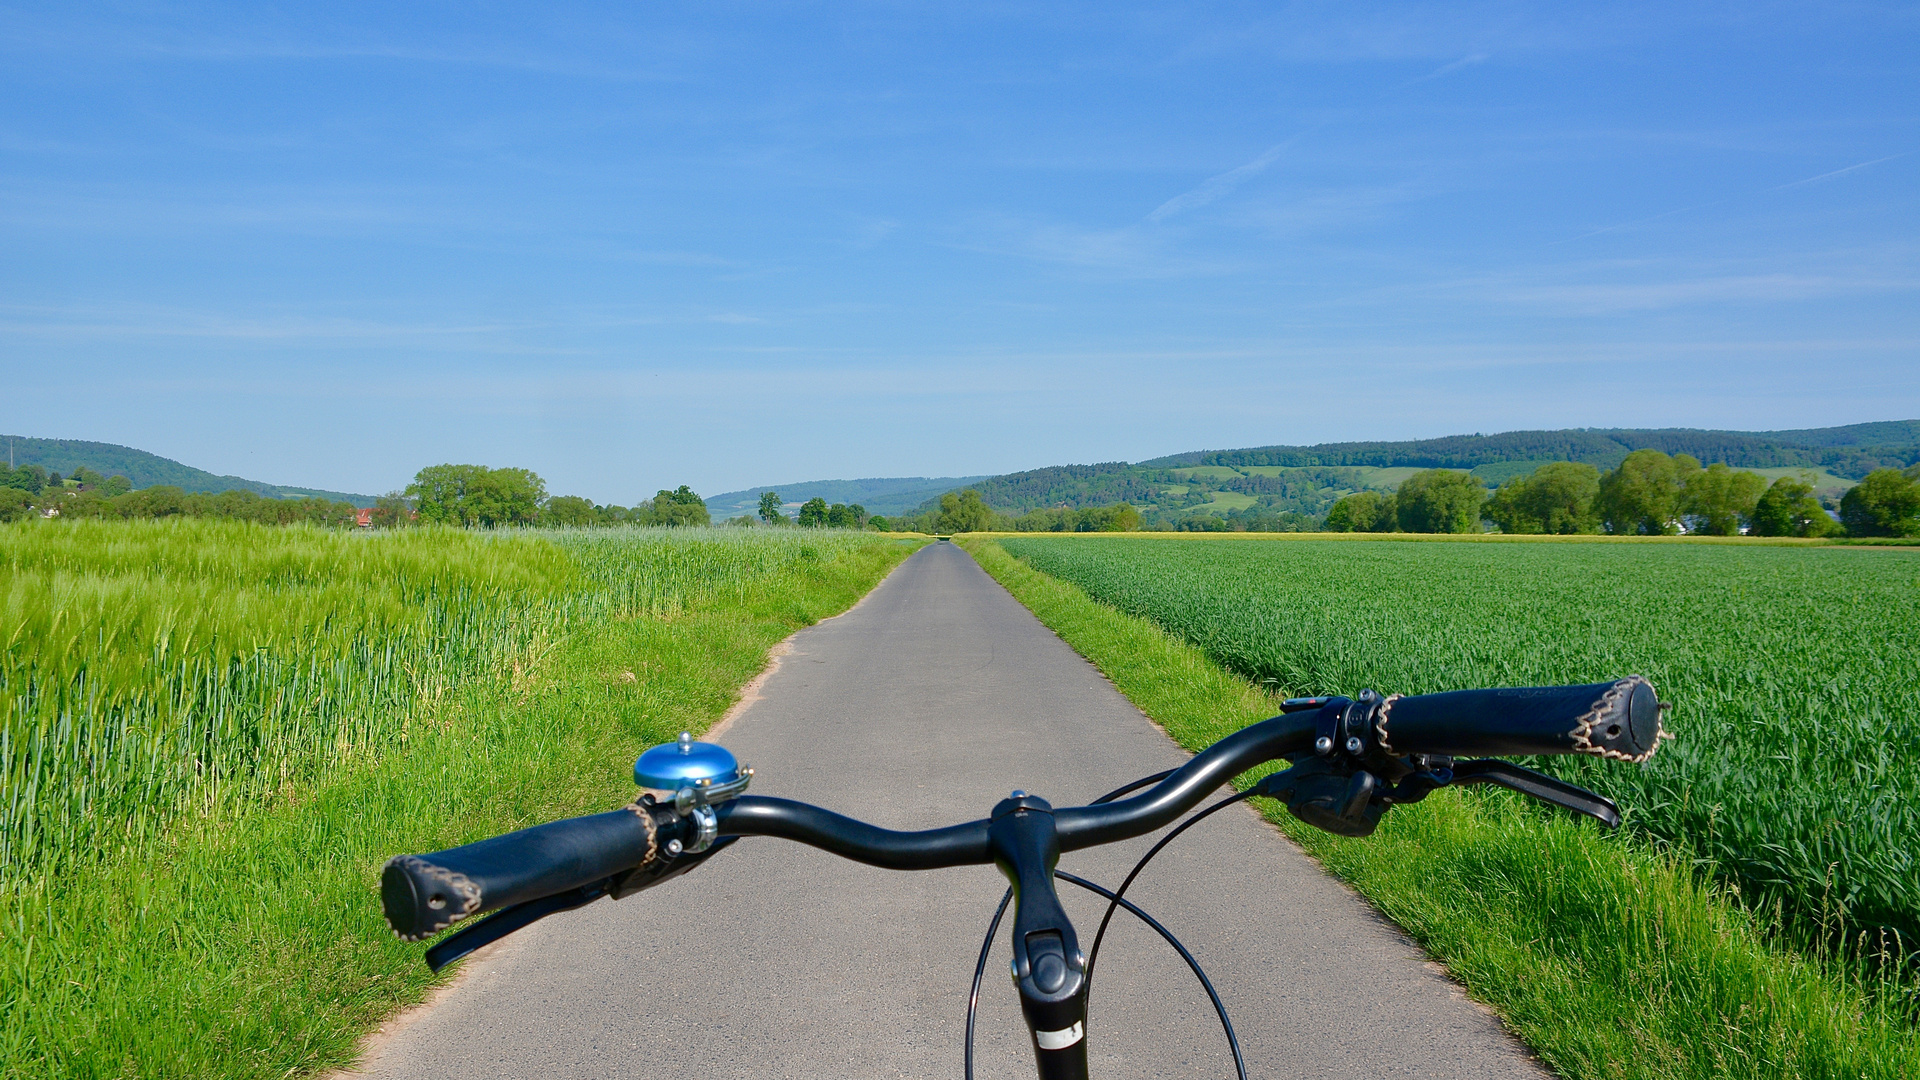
<point x="704" y="772"/>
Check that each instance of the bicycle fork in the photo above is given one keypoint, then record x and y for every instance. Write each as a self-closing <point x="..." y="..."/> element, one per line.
<point x="1048" y="967"/>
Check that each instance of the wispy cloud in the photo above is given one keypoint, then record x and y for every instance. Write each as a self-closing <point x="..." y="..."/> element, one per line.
<point x="1445" y="70"/>
<point x="1657" y="290"/>
<point x="171" y="40"/>
<point x="1220" y="186"/>
<point x="1823" y="177"/>
<point x="1129" y="251"/>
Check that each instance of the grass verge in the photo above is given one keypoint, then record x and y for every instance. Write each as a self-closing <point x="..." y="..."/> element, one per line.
<point x="248" y="942"/>
<point x="1608" y="958"/>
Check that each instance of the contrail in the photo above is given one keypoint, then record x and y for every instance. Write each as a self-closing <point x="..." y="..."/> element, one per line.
<point x="1839" y="172"/>
<point x="1223" y="184"/>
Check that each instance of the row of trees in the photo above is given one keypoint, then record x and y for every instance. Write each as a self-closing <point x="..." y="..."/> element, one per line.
<point x="967" y="511"/>
<point x="477" y="496"/>
<point x="1435" y="501"/>
<point x="815" y="513"/>
<point x="1650" y="494"/>
<point x="462" y="495"/>
<point x="87" y="495"/>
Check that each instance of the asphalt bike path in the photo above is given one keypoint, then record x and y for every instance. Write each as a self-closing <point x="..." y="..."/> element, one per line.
<point x="923" y="706"/>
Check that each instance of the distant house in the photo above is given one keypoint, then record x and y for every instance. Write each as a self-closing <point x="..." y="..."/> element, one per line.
<point x="363" y="517"/>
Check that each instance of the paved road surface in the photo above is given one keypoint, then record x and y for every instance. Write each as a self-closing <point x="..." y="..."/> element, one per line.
<point x="922" y="707"/>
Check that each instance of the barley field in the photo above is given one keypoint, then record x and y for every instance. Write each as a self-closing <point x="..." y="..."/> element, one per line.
<point x="152" y="668"/>
<point x="216" y="732"/>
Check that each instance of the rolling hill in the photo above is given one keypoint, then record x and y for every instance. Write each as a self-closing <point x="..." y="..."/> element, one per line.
<point x="150" y="470"/>
<point x="880" y="495"/>
<point x="1274" y="480"/>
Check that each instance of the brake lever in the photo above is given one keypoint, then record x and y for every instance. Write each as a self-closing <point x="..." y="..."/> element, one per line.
<point x="520" y="916"/>
<point x="1540" y="786"/>
<point x="506" y="921"/>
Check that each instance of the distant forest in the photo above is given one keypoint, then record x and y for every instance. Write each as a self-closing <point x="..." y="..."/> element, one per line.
<point x="1852" y="451"/>
<point x="68" y="456"/>
<point x="1296" y="486"/>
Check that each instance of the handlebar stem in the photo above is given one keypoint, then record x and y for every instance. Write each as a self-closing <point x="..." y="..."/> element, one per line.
<point x="1048" y="966"/>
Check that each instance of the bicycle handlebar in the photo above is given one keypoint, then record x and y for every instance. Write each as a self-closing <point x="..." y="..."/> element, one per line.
<point x="1618" y="720"/>
<point x="424" y="894"/>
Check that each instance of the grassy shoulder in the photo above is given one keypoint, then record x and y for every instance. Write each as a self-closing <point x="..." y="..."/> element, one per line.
<point x="1454" y="538"/>
<point x="1608" y="958"/>
<point x="249" y="942"/>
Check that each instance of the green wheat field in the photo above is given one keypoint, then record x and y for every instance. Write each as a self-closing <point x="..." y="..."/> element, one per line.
<point x="1794" y="674"/>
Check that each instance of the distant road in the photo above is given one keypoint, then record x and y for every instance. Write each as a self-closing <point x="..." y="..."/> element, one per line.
<point x="922" y="707"/>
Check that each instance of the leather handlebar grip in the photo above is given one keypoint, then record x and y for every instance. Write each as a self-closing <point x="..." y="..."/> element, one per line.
<point x="424" y="894"/>
<point x="1618" y="720"/>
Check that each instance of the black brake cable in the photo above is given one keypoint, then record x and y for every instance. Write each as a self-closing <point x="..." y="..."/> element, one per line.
<point x="980" y="969"/>
<point x="1114" y="901"/>
<point x="1093" y="954"/>
<point x="979" y="972"/>
<point x="1233" y="1041"/>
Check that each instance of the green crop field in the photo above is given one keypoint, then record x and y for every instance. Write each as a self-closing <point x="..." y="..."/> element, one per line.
<point x="213" y="733"/>
<point x="1792" y="671"/>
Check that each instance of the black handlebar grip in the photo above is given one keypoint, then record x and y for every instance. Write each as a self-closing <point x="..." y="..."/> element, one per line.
<point x="425" y="894"/>
<point x="1618" y="720"/>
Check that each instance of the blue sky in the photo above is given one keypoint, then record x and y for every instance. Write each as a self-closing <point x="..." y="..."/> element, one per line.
<point x="631" y="246"/>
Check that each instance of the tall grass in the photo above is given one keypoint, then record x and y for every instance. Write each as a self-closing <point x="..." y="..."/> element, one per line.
<point x="258" y="717"/>
<point x="151" y="668"/>
<point x="1793" y="675"/>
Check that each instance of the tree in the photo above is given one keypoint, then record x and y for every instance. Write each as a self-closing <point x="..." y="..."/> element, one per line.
<point x="1886" y="503"/>
<point x="1558" y="497"/>
<point x="813" y="513"/>
<point x="1440" y="501"/>
<point x="963" y="511"/>
<point x="507" y="497"/>
<point x="1120" y="517"/>
<point x="161" y="500"/>
<point x="394" y="510"/>
<point x="31" y="479"/>
<point x="842" y="516"/>
<point x="439" y="493"/>
<point x="15" y="503"/>
<point x="1364" y="511"/>
<point x="1788" y="508"/>
<point x="1643" y="496"/>
<point x="1718" y="499"/>
<point x="679" y="507"/>
<point x="477" y="495"/>
<point x="568" y="510"/>
<point x="770" y="508"/>
<point x="879" y="523"/>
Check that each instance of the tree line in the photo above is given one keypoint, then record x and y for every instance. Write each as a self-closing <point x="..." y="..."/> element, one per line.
<point x="473" y="496"/>
<point x="30" y="491"/>
<point x="968" y="511"/>
<point x="1651" y="493"/>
